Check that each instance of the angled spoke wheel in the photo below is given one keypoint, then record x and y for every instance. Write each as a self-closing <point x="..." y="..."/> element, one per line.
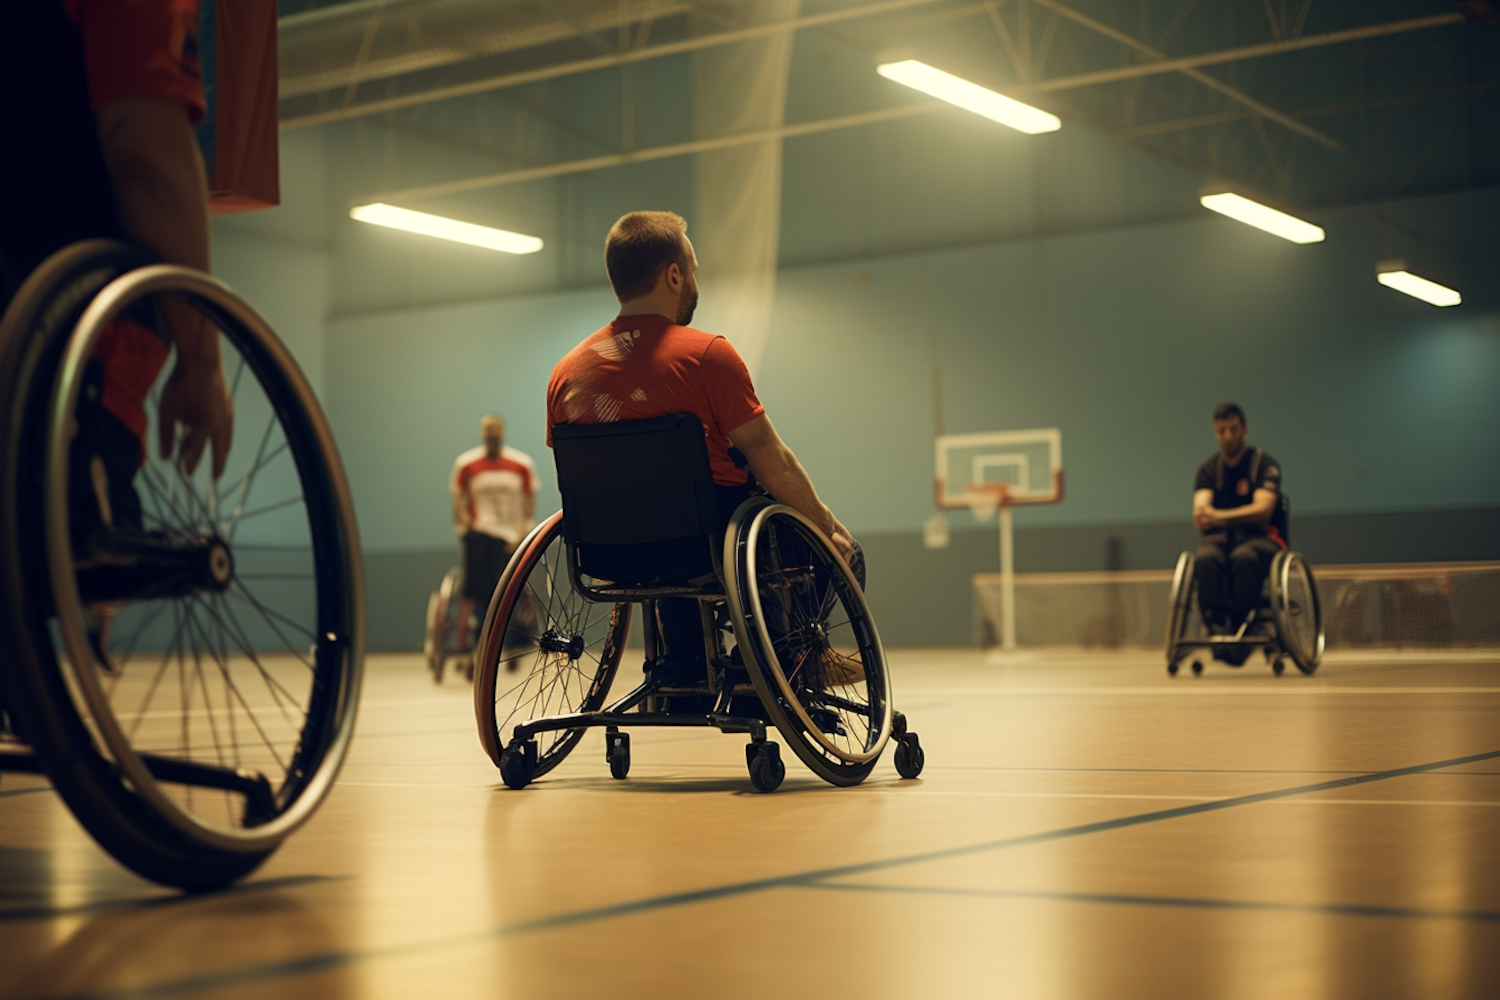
<point x="190" y="649"/>
<point x="1296" y="611"/>
<point x="813" y="653"/>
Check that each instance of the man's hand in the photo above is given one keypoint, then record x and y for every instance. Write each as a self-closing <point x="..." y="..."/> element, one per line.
<point x="196" y="397"/>
<point x="1204" y="519"/>
<point x="843" y="542"/>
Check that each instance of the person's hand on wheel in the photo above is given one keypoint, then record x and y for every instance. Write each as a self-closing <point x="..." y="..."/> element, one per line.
<point x="196" y="397"/>
<point x="843" y="542"/>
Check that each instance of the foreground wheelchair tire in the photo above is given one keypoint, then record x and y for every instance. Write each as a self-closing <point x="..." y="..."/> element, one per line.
<point x="543" y="650"/>
<point x="812" y="651"/>
<point x="1296" y="610"/>
<point x="1179" y="607"/>
<point x="194" y="711"/>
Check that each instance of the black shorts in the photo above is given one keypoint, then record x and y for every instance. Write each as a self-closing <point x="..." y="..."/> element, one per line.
<point x="485" y="557"/>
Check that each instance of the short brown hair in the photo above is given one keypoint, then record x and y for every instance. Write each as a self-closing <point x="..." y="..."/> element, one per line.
<point x="639" y="247"/>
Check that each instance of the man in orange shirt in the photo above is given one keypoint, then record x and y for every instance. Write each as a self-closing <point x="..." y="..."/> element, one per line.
<point x="648" y="363"/>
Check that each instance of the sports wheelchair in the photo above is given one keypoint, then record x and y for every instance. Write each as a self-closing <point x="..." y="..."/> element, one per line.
<point x="184" y="663"/>
<point x="1288" y="621"/>
<point x="788" y="640"/>
<point x="441" y="640"/>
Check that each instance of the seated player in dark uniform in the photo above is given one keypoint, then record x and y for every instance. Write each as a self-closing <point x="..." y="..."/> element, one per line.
<point x="1235" y="495"/>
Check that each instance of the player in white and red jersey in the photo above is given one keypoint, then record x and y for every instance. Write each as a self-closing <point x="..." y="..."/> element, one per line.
<point x="494" y="500"/>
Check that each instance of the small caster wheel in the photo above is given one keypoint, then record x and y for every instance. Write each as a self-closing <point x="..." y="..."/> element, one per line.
<point x="1197" y="668"/>
<point x="766" y="768"/>
<point x="909" y="756"/>
<point x="518" y="764"/>
<point x="1277" y="666"/>
<point x="469" y="669"/>
<point x="1172" y="669"/>
<point x="617" y="752"/>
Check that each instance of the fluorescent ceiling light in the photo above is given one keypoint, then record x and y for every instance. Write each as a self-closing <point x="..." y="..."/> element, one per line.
<point x="445" y="229"/>
<point x="970" y="96"/>
<point x="1253" y="213"/>
<point x="1393" y="274"/>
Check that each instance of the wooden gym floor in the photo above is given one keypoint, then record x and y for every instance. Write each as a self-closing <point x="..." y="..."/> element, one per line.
<point x="1086" y="827"/>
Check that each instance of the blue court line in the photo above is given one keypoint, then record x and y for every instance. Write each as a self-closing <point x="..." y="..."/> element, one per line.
<point x="338" y="959"/>
<point x="16" y="915"/>
<point x="24" y="791"/>
<point x="1331" y="909"/>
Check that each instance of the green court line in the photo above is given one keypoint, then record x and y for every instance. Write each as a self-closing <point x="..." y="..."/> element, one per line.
<point x="337" y="959"/>
<point x="1331" y="909"/>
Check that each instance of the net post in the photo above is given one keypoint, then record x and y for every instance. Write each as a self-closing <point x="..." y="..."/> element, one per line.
<point x="1007" y="579"/>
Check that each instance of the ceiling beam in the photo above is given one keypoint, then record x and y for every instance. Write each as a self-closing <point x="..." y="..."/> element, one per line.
<point x="1278" y="47"/>
<point x="613" y="59"/>
<point x="467" y="184"/>
<point x="1188" y="67"/>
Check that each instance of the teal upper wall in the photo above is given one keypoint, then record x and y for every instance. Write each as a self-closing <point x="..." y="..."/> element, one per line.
<point x="1125" y="339"/>
<point x="1066" y="280"/>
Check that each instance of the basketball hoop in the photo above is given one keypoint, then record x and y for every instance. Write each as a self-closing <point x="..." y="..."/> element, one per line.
<point x="984" y="498"/>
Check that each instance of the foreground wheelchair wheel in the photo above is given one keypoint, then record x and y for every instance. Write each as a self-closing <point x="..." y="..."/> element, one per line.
<point x="1179" y="607"/>
<point x="812" y="650"/>
<point x="1296" y="611"/>
<point x="544" y="650"/>
<point x="185" y="661"/>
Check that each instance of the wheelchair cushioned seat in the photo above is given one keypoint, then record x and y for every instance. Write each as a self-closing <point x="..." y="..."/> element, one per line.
<point x="639" y="505"/>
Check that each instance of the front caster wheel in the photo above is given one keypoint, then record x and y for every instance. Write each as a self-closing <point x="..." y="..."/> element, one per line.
<point x="617" y="752"/>
<point x="1172" y="669"/>
<point x="518" y="764"/>
<point x="1197" y="668"/>
<point x="766" y="768"/>
<point x="909" y="756"/>
<point x="1277" y="666"/>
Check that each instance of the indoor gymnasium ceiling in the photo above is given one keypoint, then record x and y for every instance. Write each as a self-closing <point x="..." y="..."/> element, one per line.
<point x="1316" y="102"/>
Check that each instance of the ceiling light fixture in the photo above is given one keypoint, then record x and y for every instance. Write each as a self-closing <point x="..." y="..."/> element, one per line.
<point x="390" y="216"/>
<point x="970" y="96"/>
<point x="1393" y="274"/>
<point x="1253" y="213"/>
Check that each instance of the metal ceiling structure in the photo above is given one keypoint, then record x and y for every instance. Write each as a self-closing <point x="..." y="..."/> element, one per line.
<point x="1318" y="102"/>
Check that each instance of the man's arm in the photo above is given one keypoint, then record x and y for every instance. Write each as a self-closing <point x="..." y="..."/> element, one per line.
<point x="782" y="475"/>
<point x="1258" y="511"/>
<point x="161" y="196"/>
<point x="1203" y="505"/>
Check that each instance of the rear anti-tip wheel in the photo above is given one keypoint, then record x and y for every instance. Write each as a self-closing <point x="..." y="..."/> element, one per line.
<point x="909" y="756"/>
<point x="518" y="764"/>
<point x="617" y="752"/>
<point x="766" y="767"/>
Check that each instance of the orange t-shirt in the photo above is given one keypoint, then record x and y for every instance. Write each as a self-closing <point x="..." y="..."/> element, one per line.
<point x="141" y="48"/>
<point x="648" y="366"/>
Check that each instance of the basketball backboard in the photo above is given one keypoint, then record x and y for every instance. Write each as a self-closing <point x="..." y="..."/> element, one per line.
<point x="979" y="471"/>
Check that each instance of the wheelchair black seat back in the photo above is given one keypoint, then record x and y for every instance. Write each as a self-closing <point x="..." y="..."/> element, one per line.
<point x="788" y="641"/>
<point x="181" y="656"/>
<point x="1286" y="623"/>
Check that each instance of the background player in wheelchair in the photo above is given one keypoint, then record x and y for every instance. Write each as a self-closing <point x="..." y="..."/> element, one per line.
<point x="1253" y="591"/>
<point x="1236" y="502"/>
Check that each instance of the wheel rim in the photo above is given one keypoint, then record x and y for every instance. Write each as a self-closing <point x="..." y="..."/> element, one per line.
<point x="820" y="649"/>
<point x="1181" y="601"/>
<point x="258" y="671"/>
<point x="546" y="649"/>
<point x="1299" y="615"/>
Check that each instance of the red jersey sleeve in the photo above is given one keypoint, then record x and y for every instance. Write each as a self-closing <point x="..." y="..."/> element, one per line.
<point x="726" y="383"/>
<point x="141" y="48"/>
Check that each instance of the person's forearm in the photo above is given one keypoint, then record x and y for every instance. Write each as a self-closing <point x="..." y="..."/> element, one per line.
<point x="161" y="198"/>
<point x="1253" y="513"/>
<point x="785" y="479"/>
